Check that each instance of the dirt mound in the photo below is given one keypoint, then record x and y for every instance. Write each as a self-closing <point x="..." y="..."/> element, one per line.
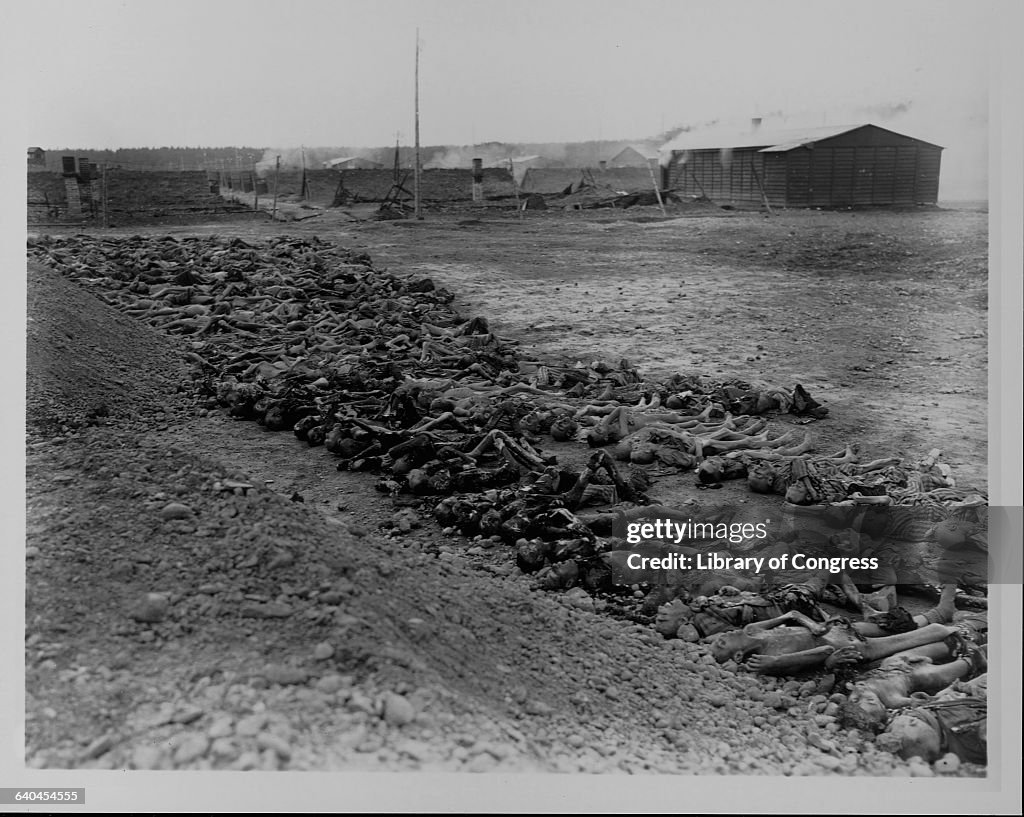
<point x="179" y="619"/>
<point x="85" y="360"/>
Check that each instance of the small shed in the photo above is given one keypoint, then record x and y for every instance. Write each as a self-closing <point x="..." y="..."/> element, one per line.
<point x="634" y="156"/>
<point x="37" y="157"/>
<point x="839" y="166"/>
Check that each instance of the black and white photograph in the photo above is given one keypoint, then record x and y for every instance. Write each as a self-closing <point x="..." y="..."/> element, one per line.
<point x="464" y="406"/>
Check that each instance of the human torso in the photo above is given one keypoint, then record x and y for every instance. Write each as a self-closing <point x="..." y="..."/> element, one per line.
<point x="786" y="640"/>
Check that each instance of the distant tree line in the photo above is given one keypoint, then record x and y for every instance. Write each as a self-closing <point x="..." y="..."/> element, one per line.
<point x="556" y="154"/>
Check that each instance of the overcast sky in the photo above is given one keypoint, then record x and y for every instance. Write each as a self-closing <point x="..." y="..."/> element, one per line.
<point x="120" y="73"/>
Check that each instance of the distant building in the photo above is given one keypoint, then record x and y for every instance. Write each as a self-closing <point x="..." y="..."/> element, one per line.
<point x="352" y="163"/>
<point x="37" y="157"/>
<point x="838" y="166"/>
<point x="521" y="165"/>
<point x="634" y="156"/>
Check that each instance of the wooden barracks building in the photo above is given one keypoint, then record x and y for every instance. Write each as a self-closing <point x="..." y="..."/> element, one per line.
<point x="839" y="166"/>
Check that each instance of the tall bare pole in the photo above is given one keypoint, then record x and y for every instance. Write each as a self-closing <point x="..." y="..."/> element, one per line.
<point x="277" y="170"/>
<point x="103" y="192"/>
<point x="657" y="189"/>
<point x="395" y="172"/>
<point x="416" y="166"/>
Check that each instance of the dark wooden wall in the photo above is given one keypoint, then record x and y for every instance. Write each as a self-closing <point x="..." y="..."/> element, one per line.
<point x="865" y="167"/>
<point x="729" y="176"/>
<point x="865" y="175"/>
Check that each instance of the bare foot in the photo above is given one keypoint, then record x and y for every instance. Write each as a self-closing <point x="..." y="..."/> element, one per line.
<point x="761" y="663"/>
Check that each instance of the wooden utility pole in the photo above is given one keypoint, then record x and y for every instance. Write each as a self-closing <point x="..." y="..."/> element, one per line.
<point x="395" y="173"/>
<point x="103" y="193"/>
<point x="277" y="170"/>
<point x="416" y="164"/>
<point x="657" y="189"/>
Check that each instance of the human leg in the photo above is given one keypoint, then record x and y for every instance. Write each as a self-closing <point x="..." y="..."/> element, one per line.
<point x="789" y="664"/>
<point x="875" y="649"/>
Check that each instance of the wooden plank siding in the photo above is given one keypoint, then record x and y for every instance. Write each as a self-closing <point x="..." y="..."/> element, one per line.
<point x="906" y="174"/>
<point x="929" y="160"/>
<point x="885" y="175"/>
<point x="841" y="192"/>
<point x="874" y="166"/>
<point x="822" y="175"/>
<point x="724" y="176"/>
<point x="872" y="175"/>
<point x="798" y="178"/>
<point x="863" y="175"/>
<point x="866" y="166"/>
<point x="774" y="178"/>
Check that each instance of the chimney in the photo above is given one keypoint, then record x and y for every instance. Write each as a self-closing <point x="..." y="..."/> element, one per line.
<point x="755" y="124"/>
<point x="478" y="180"/>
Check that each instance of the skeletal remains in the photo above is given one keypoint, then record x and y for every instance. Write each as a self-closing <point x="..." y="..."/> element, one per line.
<point x="302" y="335"/>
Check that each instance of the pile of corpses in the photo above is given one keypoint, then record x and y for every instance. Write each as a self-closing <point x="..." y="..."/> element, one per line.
<point x="301" y="335"/>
